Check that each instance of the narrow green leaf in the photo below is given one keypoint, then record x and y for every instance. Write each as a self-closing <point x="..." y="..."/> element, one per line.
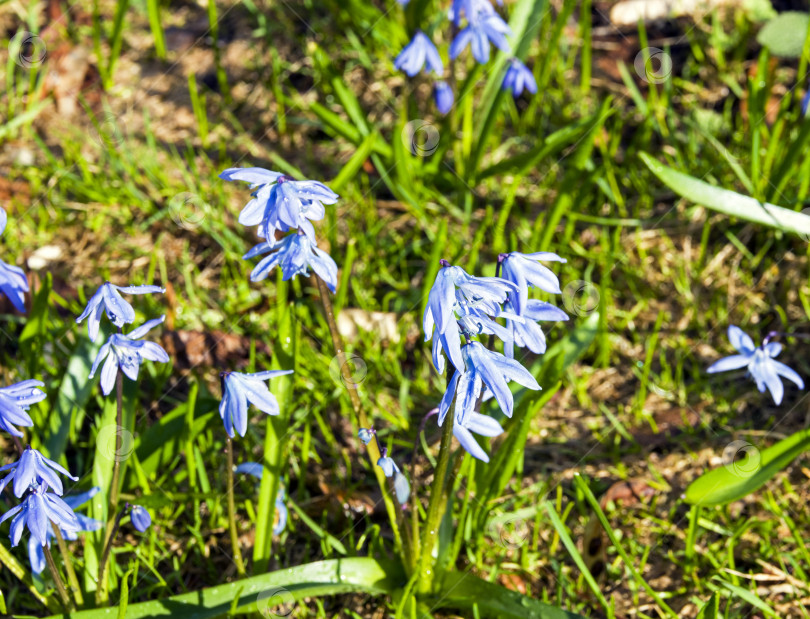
<point x="739" y="478"/>
<point x="712" y="608"/>
<point x="729" y="202"/>
<point x="751" y="598"/>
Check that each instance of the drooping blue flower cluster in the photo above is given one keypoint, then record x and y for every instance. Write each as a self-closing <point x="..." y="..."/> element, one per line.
<point x="402" y="488"/>
<point x="760" y="362"/>
<point x="478" y="26"/>
<point x="462" y="307"/>
<point x="13" y="282"/>
<point x="283" y="204"/>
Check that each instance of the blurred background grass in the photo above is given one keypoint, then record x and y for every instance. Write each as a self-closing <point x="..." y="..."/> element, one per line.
<point x="117" y="121"/>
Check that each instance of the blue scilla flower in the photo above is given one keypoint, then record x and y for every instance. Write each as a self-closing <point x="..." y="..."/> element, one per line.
<point x="365" y="435"/>
<point x="401" y="486"/>
<point x="469" y="8"/>
<point x="140" y="518"/>
<point x="526" y="333"/>
<point x="108" y="299"/>
<point x="13" y="282"/>
<point x="525" y="270"/>
<point x="418" y="53"/>
<point x="457" y="298"/>
<point x="806" y="103"/>
<point x="36" y="556"/>
<point x="760" y="362"/>
<point x="241" y="390"/>
<point x="36" y="512"/>
<point x="127" y="352"/>
<point x="295" y="254"/>
<point x="443" y="96"/>
<point x="281" y="514"/>
<point x="482" y="28"/>
<point x="15" y="401"/>
<point x="483" y="368"/>
<point x="280" y="202"/>
<point x="518" y="77"/>
<point x="14" y="285"/>
<point x="33" y="468"/>
<point x="478" y="424"/>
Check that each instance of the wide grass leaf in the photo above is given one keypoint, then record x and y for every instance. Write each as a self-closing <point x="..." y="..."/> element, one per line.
<point x="729" y="202"/>
<point x="741" y="477"/>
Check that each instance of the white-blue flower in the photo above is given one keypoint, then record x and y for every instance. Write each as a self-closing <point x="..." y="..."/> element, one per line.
<point x="280" y="202"/>
<point x="526" y="333"/>
<point x="239" y="391"/>
<point x="127" y="352"/>
<point x="525" y="270"/>
<point x="478" y="424"/>
<point x="418" y="53"/>
<point x="760" y="362"/>
<point x="484" y="367"/>
<point x="107" y="299"/>
<point x="295" y="254"/>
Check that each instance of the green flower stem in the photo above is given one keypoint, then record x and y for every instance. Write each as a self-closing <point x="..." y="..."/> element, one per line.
<point x="71" y="573"/>
<point x="237" y="551"/>
<point x="372" y="449"/>
<point x="13" y="566"/>
<point x="101" y="592"/>
<point x="431" y="530"/>
<point x="105" y="556"/>
<point x="57" y="579"/>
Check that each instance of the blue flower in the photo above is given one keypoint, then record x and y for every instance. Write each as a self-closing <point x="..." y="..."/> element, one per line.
<point x="37" y="509"/>
<point x="526" y="333"/>
<point x="14" y="285"/>
<point x="127" y="352"/>
<point x="401" y="486"/>
<point x="484" y="367"/>
<point x="518" y="76"/>
<point x="3" y="220"/>
<point x="295" y="254"/>
<point x="14" y="403"/>
<point x="365" y="435"/>
<point x="470" y="8"/>
<point x="33" y="469"/>
<point x="481" y="29"/>
<point x="107" y="299"/>
<point x="36" y="555"/>
<point x="241" y="390"/>
<point x="760" y="363"/>
<point x="417" y="53"/>
<point x="280" y="202"/>
<point x="256" y="469"/>
<point x="479" y="424"/>
<point x="454" y="296"/>
<point x="443" y="95"/>
<point x="525" y="270"/>
<point x="140" y="518"/>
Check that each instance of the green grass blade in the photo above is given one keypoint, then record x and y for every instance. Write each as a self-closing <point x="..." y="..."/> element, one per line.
<point x="712" y="608"/>
<point x="740" y="478"/>
<point x="729" y="202"/>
